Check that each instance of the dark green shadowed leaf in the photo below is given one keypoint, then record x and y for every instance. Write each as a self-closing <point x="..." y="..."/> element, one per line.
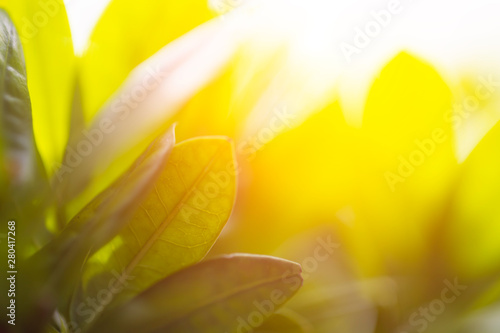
<point x="22" y="175"/>
<point x="15" y="107"/>
<point x="218" y="295"/>
<point x="58" y="264"/>
<point x="50" y="62"/>
<point x="23" y="184"/>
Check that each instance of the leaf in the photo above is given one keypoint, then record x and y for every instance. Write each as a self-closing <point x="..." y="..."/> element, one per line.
<point x="285" y="321"/>
<point x="177" y="223"/>
<point x="116" y="202"/>
<point x="147" y="101"/>
<point x="23" y="175"/>
<point x="57" y="266"/>
<point x="51" y="329"/>
<point x="18" y="149"/>
<point x="324" y="176"/>
<point x="408" y="148"/>
<point x="217" y="295"/>
<point x="333" y="298"/>
<point x="44" y="31"/>
<point x="110" y="58"/>
<point x="475" y="214"/>
<point x="20" y="167"/>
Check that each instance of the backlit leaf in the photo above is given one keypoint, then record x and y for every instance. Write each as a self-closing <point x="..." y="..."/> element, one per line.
<point x="476" y="214"/>
<point x="58" y="265"/>
<point x="110" y="58"/>
<point x="226" y="294"/>
<point x="176" y="224"/>
<point x="147" y="101"/>
<point x="407" y="141"/>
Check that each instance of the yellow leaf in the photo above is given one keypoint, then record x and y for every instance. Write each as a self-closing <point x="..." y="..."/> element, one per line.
<point x="299" y="180"/>
<point x="408" y="165"/>
<point x="128" y="33"/>
<point x="475" y="217"/>
<point x="145" y="105"/>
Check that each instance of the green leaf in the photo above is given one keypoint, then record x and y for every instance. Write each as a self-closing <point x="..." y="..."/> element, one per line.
<point x="218" y="295"/>
<point x="18" y="149"/>
<point x="19" y="156"/>
<point x="46" y="38"/>
<point x="57" y="266"/>
<point x="22" y="177"/>
<point x="176" y="224"/>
